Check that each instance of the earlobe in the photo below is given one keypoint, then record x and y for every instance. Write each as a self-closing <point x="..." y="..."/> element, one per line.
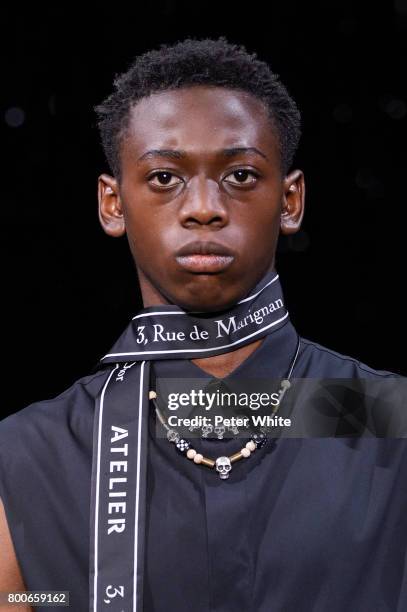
<point x="110" y="207"/>
<point x="293" y="202"/>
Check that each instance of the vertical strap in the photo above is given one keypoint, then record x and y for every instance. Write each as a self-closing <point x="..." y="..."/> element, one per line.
<point x="140" y="513"/>
<point x="118" y="496"/>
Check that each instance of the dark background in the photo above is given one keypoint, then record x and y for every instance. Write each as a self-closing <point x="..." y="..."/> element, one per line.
<point x="69" y="290"/>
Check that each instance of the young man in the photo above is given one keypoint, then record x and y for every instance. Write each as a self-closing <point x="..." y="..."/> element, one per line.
<point x="200" y="138"/>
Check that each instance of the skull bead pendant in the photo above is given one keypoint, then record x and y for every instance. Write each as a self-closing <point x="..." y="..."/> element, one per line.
<point x="219" y="430"/>
<point x="223" y="467"/>
<point x="206" y="430"/>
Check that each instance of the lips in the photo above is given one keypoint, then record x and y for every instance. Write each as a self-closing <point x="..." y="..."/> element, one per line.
<point x="204" y="257"/>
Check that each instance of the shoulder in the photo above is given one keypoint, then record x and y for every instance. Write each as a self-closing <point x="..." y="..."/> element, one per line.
<point x="76" y="398"/>
<point x="347" y="397"/>
<point x="49" y="433"/>
<point x="321" y="361"/>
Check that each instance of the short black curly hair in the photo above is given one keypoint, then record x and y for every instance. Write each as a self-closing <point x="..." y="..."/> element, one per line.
<point x="197" y="62"/>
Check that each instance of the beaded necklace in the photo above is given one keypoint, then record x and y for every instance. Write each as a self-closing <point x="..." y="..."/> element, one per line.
<point x="223" y="464"/>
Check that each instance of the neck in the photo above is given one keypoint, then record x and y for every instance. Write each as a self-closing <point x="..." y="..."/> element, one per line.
<point x="219" y="365"/>
<point x="222" y="365"/>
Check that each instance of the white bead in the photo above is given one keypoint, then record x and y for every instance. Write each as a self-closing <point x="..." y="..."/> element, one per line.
<point x="152" y="394"/>
<point x="198" y="458"/>
<point x="245" y="452"/>
<point x="191" y="453"/>
<point x="251" y="446"/>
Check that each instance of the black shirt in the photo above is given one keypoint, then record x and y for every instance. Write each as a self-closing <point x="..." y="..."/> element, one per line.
<point x="303" y="524"/>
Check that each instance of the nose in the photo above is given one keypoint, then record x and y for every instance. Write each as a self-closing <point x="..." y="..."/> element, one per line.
<point x="203" y="204"/>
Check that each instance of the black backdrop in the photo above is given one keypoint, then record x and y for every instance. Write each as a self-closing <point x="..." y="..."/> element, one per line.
<point x="69" y="290"/>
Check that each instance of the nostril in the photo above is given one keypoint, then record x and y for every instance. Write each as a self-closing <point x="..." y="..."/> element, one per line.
<point x="192" y="220"/>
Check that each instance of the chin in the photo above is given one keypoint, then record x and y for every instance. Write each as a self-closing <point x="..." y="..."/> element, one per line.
<point x="205" y="305"/>
<point x="204" y="292"/>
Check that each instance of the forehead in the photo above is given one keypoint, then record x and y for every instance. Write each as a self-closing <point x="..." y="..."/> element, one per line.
<point x="198" y="119"/>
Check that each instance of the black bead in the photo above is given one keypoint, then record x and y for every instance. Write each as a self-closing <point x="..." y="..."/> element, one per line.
<point x="182" y="446"/>
<point x="259" y="439"/>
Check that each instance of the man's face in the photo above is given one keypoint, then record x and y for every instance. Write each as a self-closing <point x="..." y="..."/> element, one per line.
<point x="201" y="196"/>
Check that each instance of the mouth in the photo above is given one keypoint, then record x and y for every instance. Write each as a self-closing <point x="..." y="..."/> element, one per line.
<point x="204" y="257"/>
<point x="204" y="264"/>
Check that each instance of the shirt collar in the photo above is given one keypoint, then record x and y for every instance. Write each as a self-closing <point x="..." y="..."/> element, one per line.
<point x="272" y="359"/>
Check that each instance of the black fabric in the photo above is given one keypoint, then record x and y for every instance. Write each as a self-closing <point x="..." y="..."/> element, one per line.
<point x="302" y="525"/>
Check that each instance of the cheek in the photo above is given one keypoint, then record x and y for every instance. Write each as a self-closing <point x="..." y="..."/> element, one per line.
<point x="137" y="232"/>
<point x="259" y="223"/>
<point x="150" y="234"/>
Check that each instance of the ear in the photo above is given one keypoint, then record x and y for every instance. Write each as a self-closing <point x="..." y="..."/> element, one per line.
<point x="293" y="202"/>
<point x="110" y="206"/>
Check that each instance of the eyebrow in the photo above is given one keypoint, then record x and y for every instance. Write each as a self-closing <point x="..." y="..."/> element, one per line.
<point x="234" y="151"/>
<point x="179" y="154"/>
<point x="168" y="153"/>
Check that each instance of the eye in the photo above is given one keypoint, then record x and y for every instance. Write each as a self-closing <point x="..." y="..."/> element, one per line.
<point x="242" y="176"/>
<point x="164" y="179"/>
